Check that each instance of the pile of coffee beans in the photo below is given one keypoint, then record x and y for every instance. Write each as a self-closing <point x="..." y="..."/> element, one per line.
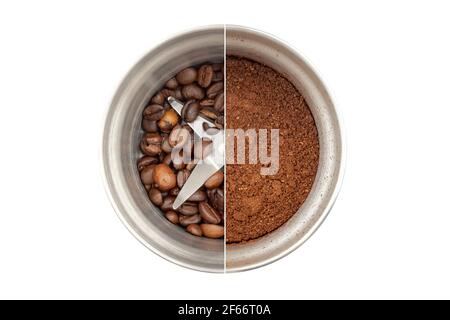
<point x="201" y="90"/>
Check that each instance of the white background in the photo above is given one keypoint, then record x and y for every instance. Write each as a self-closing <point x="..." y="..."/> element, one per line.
<point x="387" y="65"/>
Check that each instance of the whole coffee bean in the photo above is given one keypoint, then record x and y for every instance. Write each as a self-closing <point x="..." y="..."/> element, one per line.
<point x="158" y="98"/>
<point x="147" y="174"/>
<point x="186" y="76"/>
<point x="145" y="161"/>
<point x="210" y="130"/>
<point x="193" y="91"/>
<point x="219" y="122"/>
<point x="153" y="112"/>
<point x="198" y="196"/>
<point x="155" y="196"/>
<point x="167" y="203"/>
<point x="217" y="66"/>
<point x="168" y="120"/>
<point x="179" y="136"/>
<point x="167" y="93"/>
<point x="204" y="75"/>
<point x="218" y="76"/>
<point x="172" y="84"/>
<point x="214" y="89"/>
<point x="194" y="229"/>
<point x="187" y="220"/>
<point x="163" y="177"/>
<point x="172" y="216"/>
<point x="208" y="213"/>
<point x="151" y="144"/>
<point x="174" y="192"/>
<point x="182" y="177"/>
<point x="178" y="94"/>
<point x="213" y="231"/>
<point x="209" y="112"/>
<point x="188" y="209"/>
<point x="207" y="103"/>
<point x="167" y="160"/>
<point x="149" y="126"/>
<point x="190" y="110"/>
<point x="216" y="198"/>
<point x="165" y="145"/>
<point x="215" y="180"/>
<point x="218" y="103"/>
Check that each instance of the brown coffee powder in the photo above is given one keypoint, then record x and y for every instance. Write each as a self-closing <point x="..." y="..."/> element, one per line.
<point x="259" y="97"/>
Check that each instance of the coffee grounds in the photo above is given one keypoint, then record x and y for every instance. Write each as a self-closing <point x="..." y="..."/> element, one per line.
<point x="259" y="97"/>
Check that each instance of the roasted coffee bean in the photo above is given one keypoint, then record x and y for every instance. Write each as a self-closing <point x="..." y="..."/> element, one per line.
<point x="162" y="168"/>
<point x="155" y="196"/>
<point x="163" y="177"/>
<point x="167" y="160"/>
<point x="194" y="229"/>
<point x="153" y="112"/>
<point x="182" y="177"/>
<point x="151" y="144"/>
<point x="217" y="66"/>
<point x="209" y="112"/>
<point x="219" y="122"/>
<point x="205" y="75"/>
<point x="187" y="220"/>
<point x="209" y="129"/>
<point x="198" y="196"/>
<point x="158" y="98"/>
<point x="168" y="120"/>
<point x="167" y="203"/>
<point x="179" y="136"/>
<point x="190" y="110"/>
<point x="218" y="76"/>
<point x="214" y="89"/>
<point x="165" y="145"/>
<point x="172" y="216"/>
<point x="149" y="126"/>
<point x="188" y="209"/>
<point x="193" y="91"/>
<point x="178" y="94"/>
<point x="186" y="76"/>
<point x="218" y="103"/>
<point x="208" y="213"/>
<point x="215" y="180"/>
<point x="167" y="93"/>
<point x="147" y="174"/>
<point x="172" y="84"/>
<point x="145" y="161"/>
<point x="207" y="103"/>
<point x="174" y="192"/>
<point x="213" y="231"/>
<point x="215" y="198"/>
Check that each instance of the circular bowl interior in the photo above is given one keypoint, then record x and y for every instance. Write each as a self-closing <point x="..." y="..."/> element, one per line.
<point x="120" y="150"/>
<point x="268" y="50"/>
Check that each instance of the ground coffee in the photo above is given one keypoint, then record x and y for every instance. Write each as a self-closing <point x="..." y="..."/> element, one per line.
<point x="259" y="97"/>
